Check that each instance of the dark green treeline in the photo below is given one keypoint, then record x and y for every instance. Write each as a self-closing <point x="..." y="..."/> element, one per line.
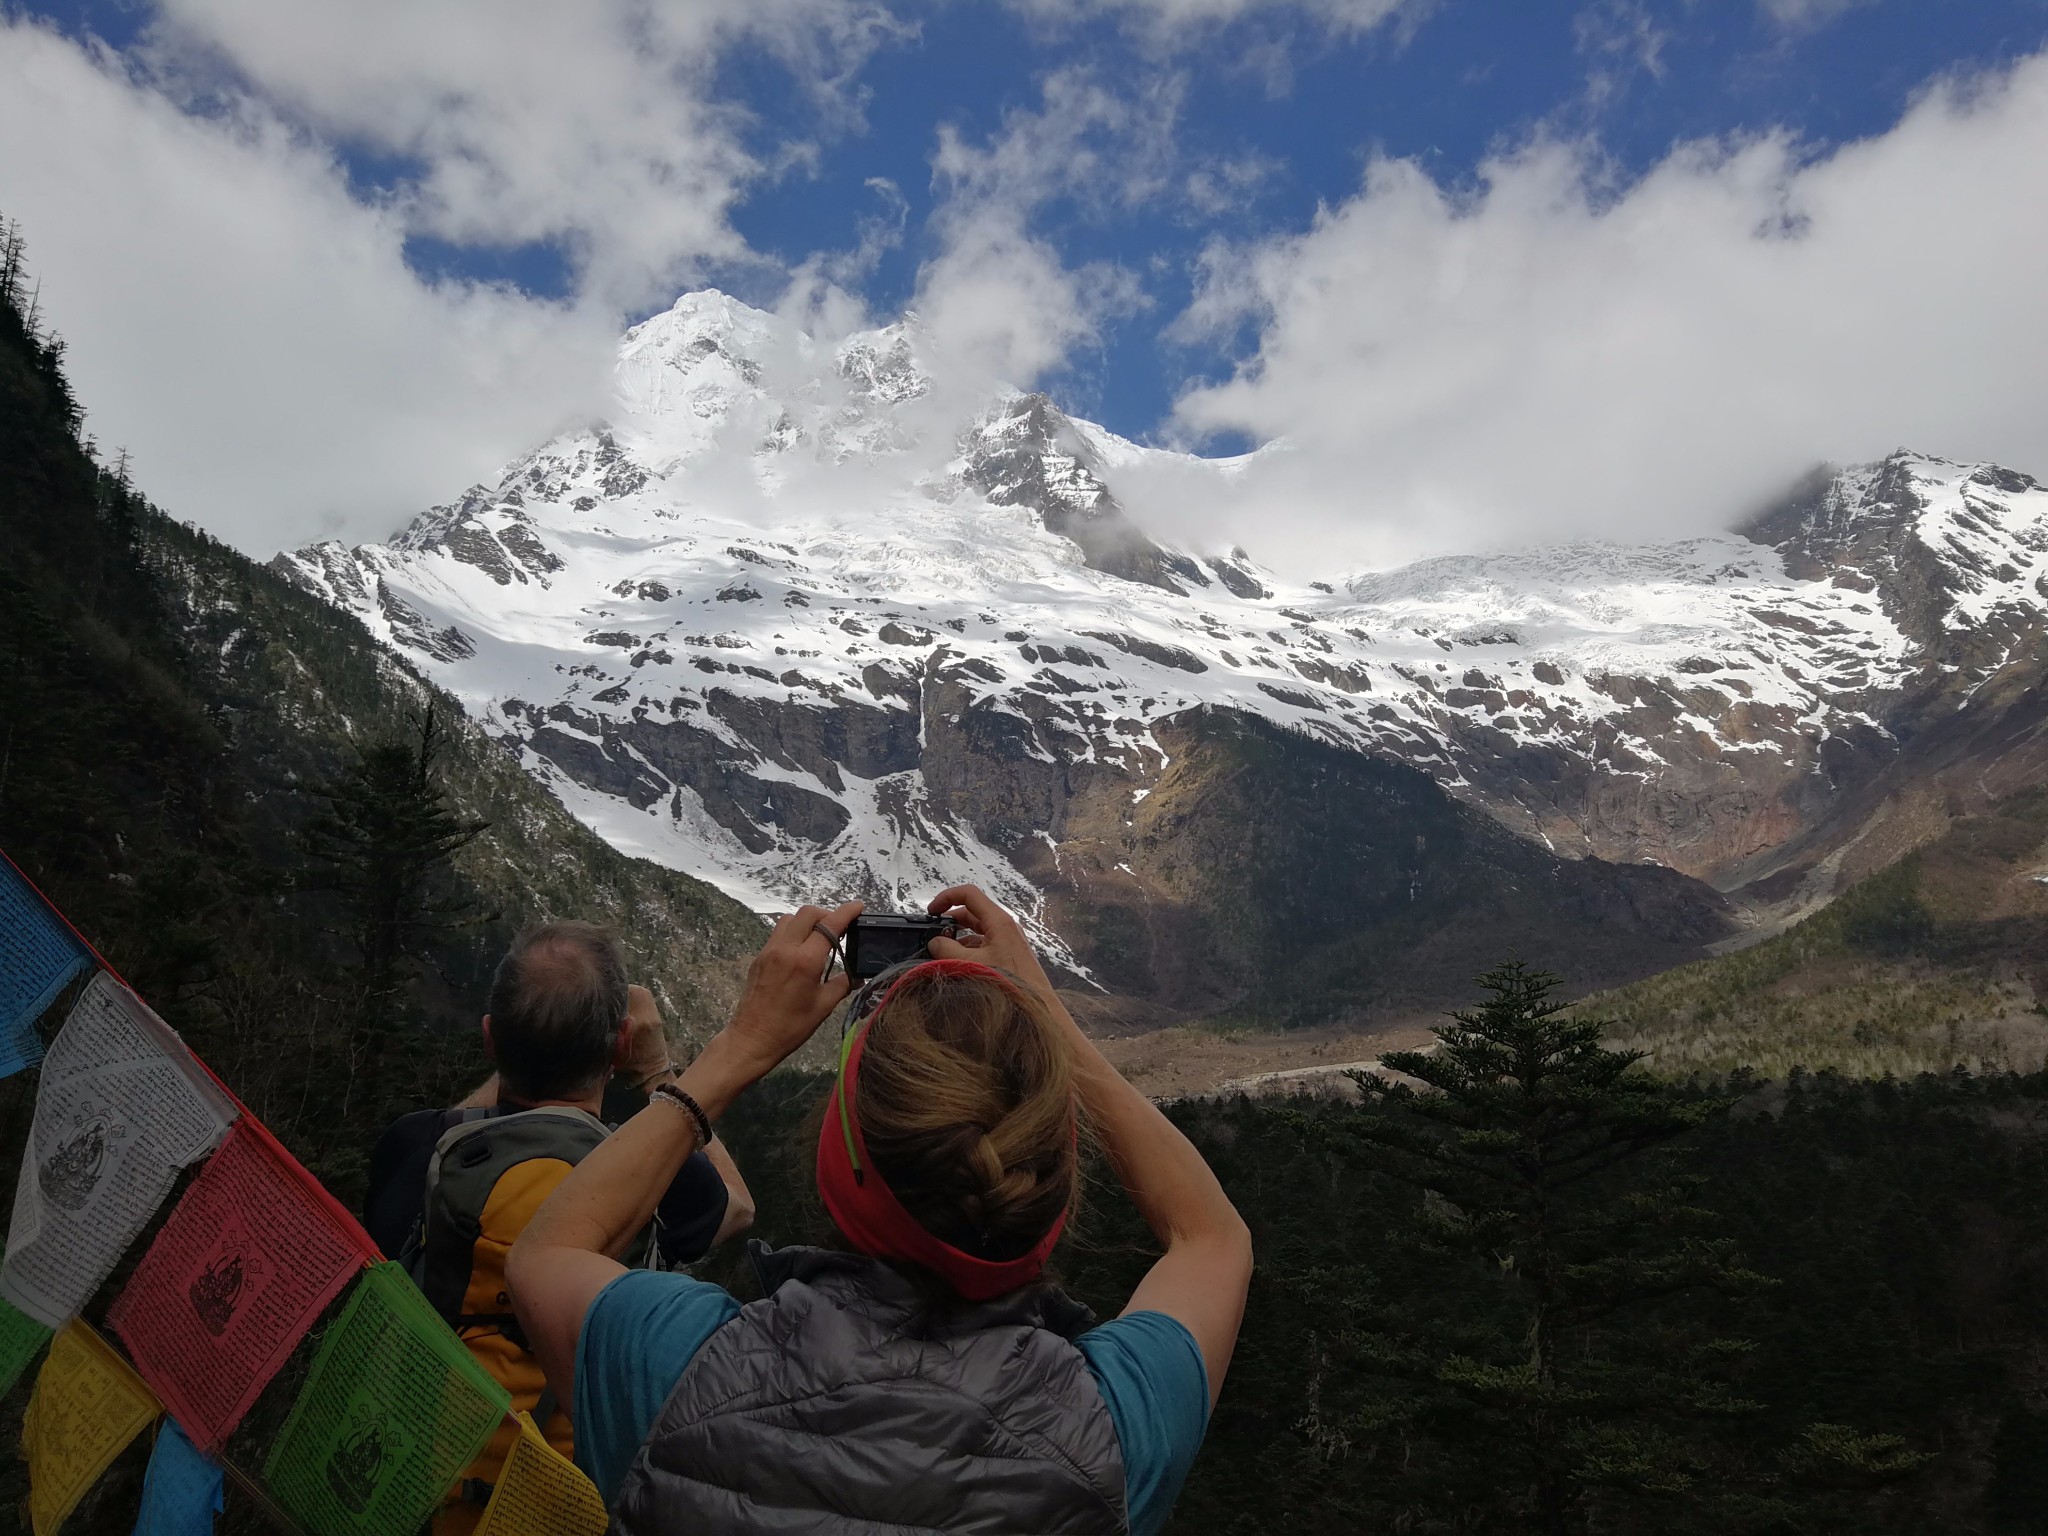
<point x="1889" y="1374"/>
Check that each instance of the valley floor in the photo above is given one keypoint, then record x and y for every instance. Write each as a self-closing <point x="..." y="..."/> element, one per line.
<point x="1189" y="1060"/>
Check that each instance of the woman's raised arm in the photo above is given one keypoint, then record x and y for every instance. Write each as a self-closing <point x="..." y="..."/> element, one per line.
<point x="564" y="1257"/>
<point x="1201" y="1279"/>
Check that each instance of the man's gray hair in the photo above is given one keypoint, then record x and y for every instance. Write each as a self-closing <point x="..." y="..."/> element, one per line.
<point x="558" y="1002"/>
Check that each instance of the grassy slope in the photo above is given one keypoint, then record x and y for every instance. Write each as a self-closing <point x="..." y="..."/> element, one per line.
<point x="1940" y="960"/>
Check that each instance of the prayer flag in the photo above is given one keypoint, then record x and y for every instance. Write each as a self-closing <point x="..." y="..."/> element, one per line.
<point x="392" y="1411"/>
<point x="87" y="1406"/>
<point x="541" y="1492"/>
<point x="122" y="1106"/>
<point x="183" y="1490"/>
<point x="20" y="1337"/>
<point x="38" y="954"/>
<point x="251" y="1256"/>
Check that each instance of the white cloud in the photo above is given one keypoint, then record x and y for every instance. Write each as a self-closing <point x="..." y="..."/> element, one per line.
<point x="1001" y="307"/>
<point x="1805" y="15"/>
<point x="248" y="330"/>
<point x="1167" y="20"/>
<point x="592" y="124"/>
<point x="1226" y="185"/>
<point x="1546" y="355"/>
<point x="999" y="303"/>
<point x="1108" y="148"/>
<point x="246" y="322"/>
<point x="1619" y="39"/>
<point x="278" y="370"/>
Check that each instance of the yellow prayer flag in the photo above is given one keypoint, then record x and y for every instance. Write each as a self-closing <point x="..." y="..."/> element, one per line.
<point x="541" y="1492"/>
<point x="87" y="1405"/>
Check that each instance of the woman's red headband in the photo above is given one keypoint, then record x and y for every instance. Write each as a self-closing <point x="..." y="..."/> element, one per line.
<point x="860" y="1201"/>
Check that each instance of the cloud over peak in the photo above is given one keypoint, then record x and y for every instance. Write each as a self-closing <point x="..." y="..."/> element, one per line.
<point x="593" y="125"/>
<point x="1546" y="354"/>
<point x="1572" y="336"/>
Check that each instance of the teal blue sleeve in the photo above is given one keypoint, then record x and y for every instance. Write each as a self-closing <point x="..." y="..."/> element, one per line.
<point x="638" y="1335"/>
<point x="1151" y="1375"/>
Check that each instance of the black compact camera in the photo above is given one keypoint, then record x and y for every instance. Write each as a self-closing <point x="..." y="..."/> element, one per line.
<point x="876" y="942"/>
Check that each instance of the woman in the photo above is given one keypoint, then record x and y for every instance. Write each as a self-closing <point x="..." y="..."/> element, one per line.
<point x="921" y="1381"/>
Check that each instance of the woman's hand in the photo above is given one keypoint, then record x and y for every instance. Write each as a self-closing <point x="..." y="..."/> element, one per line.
<point x="991" y="935"/>
<point x="1201" y="1279"/>
<point x="786" y="997"/>
<point x="568" y="1252"/>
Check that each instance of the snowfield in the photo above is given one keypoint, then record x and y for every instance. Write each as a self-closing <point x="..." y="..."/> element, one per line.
<point x="766" y="539"/>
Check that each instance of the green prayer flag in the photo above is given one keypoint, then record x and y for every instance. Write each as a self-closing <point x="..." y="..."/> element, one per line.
<point x="392" y="1411"/>
<point x="21" y="1336"/>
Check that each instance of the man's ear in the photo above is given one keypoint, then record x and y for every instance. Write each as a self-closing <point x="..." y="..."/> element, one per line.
<point x="490" y="1045"/>
<point x="622" y="1045"/>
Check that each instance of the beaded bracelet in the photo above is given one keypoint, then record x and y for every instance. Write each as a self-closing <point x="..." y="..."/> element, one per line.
<point x="690" y="1107"/>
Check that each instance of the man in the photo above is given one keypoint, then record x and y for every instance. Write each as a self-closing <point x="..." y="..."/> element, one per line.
<point x="576" y="1048"/>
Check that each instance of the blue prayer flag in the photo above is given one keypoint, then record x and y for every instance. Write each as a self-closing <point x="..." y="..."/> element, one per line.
<point x="38" y="954"/>
<point x="182" y="1491"/>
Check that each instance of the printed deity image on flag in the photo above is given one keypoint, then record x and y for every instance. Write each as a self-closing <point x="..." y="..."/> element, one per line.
<point x="246" y="1262"/>
<point x="121" y="1108"/>
<point x="393" y="1408"/>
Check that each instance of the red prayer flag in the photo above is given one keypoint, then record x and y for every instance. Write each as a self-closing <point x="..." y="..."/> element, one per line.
<point x="253" y="1252"/>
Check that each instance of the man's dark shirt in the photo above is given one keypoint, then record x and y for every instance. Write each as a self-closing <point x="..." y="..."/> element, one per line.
<point x="691" y="1212"/>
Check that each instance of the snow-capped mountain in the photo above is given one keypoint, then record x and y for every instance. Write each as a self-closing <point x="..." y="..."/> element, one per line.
<point x="786" y="625"/>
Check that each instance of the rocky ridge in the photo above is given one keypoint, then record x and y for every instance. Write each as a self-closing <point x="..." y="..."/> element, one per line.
<point x="785" y="624"/>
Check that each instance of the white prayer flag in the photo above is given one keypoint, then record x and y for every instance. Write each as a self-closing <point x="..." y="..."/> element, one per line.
<point x="121" y="1108"/>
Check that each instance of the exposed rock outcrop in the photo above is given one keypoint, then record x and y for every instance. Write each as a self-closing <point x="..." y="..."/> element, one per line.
<point x="986" y="670"/>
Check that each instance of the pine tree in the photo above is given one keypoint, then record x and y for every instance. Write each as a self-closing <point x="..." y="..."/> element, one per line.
<point x="384" y="841"/>
<point x="13" y="266"/>
<point x="1562" y="1361"/>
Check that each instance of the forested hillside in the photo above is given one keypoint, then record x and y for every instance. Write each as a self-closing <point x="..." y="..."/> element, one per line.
<point x="1871" y="1361"/>
<point x="1938" y="960"/>
<point x="170" y="714"/>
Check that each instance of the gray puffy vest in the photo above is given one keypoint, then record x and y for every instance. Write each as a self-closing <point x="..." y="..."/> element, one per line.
<point x="842" y="1402"/>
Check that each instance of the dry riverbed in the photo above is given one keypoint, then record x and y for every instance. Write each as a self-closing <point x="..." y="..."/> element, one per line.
<point x="1184" y="1060"/>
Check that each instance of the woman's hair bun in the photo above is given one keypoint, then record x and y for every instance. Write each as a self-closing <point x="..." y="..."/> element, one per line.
<point x="966" y="1105"/>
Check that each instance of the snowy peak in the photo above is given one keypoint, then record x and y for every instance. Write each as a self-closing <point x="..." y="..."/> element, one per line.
<point x="883" y="365"/>
<point x="1950" y="549"/>
<point x="873" y="648"/>
<point x="1873" y="513"/>
<point x="683" y="376"/>
<point x="1028" y="453"/>
<point x="706" y="341"/>
<point x="712" y="371"/>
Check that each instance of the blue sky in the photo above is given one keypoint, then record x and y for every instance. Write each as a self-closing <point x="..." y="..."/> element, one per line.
<point x="1220" y="129"/>
<point x="1456" y="84"/>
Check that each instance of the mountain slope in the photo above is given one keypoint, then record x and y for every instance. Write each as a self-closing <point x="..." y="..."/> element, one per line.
<point x="163" y="703"/>
<point x="1938" y="960"/>
<point x="788" y="625"/>
<point x="1292" y="881"/>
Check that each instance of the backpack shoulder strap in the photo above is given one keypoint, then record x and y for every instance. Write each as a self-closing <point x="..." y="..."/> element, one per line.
<point x="415" y="1238"/>
<point x="471" y="1156"/>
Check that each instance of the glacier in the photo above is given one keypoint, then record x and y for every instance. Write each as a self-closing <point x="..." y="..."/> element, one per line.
<point x="739" y="628"/>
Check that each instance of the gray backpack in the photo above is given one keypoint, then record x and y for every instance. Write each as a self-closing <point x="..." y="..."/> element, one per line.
<point x="478" y="1147"/>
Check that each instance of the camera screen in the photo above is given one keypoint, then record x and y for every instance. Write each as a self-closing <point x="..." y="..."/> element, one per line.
<point x="872" y="948"/>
